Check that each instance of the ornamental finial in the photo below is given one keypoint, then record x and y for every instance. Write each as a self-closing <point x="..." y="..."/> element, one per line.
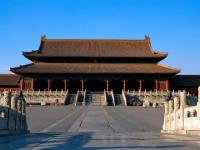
<point x="43" y="37"/>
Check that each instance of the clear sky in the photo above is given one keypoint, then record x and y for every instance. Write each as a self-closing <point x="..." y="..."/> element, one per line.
<point x="173" y="26"/>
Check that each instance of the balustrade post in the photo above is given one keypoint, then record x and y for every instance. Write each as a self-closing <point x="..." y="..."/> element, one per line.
<point x="182" y="107"/>
<point x="166" y="114"/>
<point x="6" y="99"/>
<point x="14" y="102"/>
<point x="171" y="109"/>
<point x="6" y="103"/>
<point x="19" y="106"/>
<point x="176" y="108"/>
<point x="19" y="113"/>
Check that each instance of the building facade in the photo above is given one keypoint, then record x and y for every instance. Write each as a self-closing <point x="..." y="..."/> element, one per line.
<point x="95" y="65"/>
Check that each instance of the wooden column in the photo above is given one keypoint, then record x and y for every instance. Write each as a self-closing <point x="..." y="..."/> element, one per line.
<point x="21" y="84"/>
<point x="82" y="85"/>
<point x="140" y="85"/>
<point x="166" y="85"/>
<point x="124" y="85"/>
<point x="32" y="84"/>
<point x="49" y="85"/>
<point x="156" y="85"/>
<point x="65" y="85"/>
<point x="107" y="85"/>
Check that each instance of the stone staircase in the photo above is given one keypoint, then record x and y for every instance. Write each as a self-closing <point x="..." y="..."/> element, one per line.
<point x="70" y="99"/>
<point x="80" y="98"/>
<point x="98" y="99"/>
<point x="88" y="99"/>
<point x="109" y="99"/>
<point x="119" y="100"/>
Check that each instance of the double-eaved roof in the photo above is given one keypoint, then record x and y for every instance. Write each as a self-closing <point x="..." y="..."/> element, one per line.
<point x="66" y="49"/>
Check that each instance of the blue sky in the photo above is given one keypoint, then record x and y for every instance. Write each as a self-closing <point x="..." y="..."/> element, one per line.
<point x="173" y="26"/>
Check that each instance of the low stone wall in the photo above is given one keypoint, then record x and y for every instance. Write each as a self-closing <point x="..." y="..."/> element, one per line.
<point x="12" y="113"/>
<point x="45" y="97"/>
<point x="149" y="98"/>
<point x="179" y="118"/>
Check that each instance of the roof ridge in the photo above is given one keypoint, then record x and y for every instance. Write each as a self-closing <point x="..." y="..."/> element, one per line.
<point x="83" y="40"/>
<point x="43" y="38"/>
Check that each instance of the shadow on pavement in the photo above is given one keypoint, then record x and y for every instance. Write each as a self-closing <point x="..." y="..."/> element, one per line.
<point x="28" y="141"/>
<point x="80" y="141"/>
<point x="86" y="141"/>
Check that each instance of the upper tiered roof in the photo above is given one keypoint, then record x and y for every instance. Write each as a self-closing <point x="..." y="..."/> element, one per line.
<point x="85" y="48"/>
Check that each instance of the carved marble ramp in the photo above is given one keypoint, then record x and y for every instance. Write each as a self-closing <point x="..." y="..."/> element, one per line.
<point x="95" y="119"/>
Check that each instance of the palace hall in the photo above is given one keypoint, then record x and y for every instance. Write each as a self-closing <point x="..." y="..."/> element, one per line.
<point x="95" y="65"/>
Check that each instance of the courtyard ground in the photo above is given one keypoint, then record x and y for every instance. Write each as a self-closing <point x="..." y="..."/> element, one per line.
<point x="96" y="127"/>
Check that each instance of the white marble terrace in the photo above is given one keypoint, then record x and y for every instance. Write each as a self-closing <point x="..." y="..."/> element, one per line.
<point x="180" y="118"/>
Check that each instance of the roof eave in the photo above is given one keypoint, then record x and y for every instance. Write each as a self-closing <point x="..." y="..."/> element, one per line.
<point x="19" y="72"/>
<point x="29" y="55"/>
<point x="17" y="69"/>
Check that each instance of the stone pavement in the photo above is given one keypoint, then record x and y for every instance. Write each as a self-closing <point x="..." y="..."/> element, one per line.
<point x="95" y="127"/>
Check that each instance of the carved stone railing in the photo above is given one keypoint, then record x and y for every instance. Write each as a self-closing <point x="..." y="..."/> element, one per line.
<point x="152" y="93"/>
<point x="180" y="118"/>
<point x="151" y="98"/>
<point x="12" y="113"/>
<point x="45" y="97"/>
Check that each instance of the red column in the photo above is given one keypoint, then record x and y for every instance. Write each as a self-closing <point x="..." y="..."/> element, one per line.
<point x="156" y="82"/>
<point x="32" y="84"/>
<point x="166" y="85"/>
<point x="65" y="85"/>
<point x="107" y="85"/>
<point x="21" y="84"/>
<point x="82" y="85"/>
<point x="124" y="85"/>
<point x="49" y="85"/>
<point x="140" y="85"/>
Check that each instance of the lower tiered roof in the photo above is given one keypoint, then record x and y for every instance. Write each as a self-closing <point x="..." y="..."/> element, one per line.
<point x="9" y="80"/>
<point x="94" y="68"/>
